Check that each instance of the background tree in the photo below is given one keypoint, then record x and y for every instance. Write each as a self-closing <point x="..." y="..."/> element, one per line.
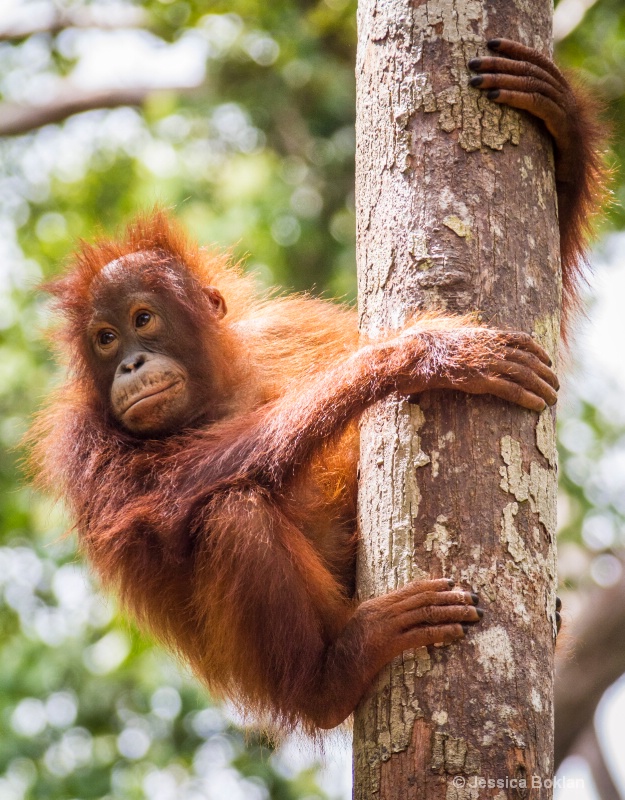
<point x="247" y="129"/>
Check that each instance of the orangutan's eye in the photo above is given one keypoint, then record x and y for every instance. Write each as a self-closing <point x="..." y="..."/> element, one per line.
<point x="106" y="338"/>
<point x="142" y="319"/>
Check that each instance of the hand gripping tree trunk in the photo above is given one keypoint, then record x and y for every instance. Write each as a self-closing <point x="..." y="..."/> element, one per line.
<point x="457" y="210"/>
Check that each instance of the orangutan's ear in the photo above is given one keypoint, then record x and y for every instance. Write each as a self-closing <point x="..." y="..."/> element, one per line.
<point x="217" y="301"/>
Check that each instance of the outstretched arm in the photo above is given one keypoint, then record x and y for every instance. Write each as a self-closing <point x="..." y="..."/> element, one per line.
<point x="268" y="445"/>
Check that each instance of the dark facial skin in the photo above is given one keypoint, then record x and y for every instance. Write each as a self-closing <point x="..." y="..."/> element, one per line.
<point x="147" y="360"/>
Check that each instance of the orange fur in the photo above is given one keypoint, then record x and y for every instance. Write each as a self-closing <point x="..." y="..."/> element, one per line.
<point x="581" y="197"/>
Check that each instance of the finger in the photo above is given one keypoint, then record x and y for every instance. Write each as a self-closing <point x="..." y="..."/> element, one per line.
<point x="438" y="615"/>
<point x="520" y="52"/>
<point x="538" y="105"/>
<point x="517" y="83"/>
<point x="506" y="65"/>
<point x="558" y="604"/>
<point x="422" y="599"/>
<point x="534" y="363"/>
<point x="441" y="634"/>
<point x="513" y="393"/>
<point x="527" y="379"/>
<point x="525" y="342"/>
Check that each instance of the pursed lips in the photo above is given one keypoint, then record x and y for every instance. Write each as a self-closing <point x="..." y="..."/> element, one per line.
<point x="150" y="393"/>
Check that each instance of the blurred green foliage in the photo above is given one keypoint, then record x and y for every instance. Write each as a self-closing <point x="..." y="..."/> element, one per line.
<point x="259" y="158"/>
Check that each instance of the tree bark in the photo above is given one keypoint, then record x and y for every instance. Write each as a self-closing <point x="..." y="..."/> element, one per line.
<point x="456" y="209"/>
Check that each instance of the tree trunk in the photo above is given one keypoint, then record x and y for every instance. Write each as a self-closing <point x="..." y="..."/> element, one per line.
<point x="456" y="210"/>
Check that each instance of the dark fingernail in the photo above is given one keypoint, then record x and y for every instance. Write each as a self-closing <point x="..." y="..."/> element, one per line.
<point x="474" y="598"/>
<point x="493" y="94"/>
<point x="476" y="80"/>
<point x="493" y="44"/>
<point x="480" y="612"/>
<point x="465" y="628"/>
<point x="558" y="603"/>
<point x="451" y="583"/>
<point x="475" y="63"/>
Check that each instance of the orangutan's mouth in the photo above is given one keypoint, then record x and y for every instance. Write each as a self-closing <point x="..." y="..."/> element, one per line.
<point x="148" y="392"/>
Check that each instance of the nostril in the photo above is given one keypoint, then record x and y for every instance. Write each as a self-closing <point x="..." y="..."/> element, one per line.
<point x="133" y="363"/>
